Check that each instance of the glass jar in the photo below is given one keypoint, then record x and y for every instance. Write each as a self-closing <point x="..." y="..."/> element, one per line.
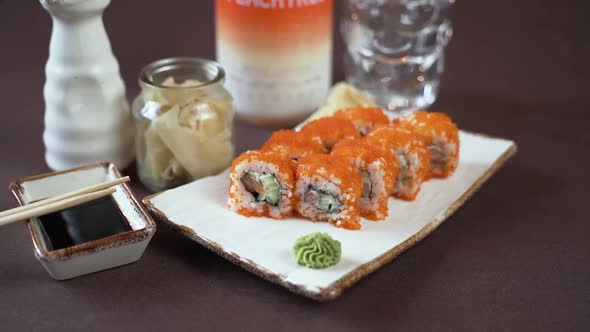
<point x="184" y="119"/>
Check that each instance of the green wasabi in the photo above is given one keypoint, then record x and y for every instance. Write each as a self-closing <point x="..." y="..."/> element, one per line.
<point x="317" y="251"/>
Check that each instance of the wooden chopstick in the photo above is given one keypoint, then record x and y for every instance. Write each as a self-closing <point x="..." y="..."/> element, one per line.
<point x="78" y="192"/>
<point x="55" y="206"/>
<point x="60" y="202"/>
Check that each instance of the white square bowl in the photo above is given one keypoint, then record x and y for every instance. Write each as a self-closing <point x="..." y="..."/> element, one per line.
<point x="89" y="257"/>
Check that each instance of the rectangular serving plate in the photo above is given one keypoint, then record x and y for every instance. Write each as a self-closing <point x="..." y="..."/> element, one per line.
<point x="263" y="246"/>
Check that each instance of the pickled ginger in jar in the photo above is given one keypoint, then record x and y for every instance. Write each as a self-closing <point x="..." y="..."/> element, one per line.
<point x="184" y="118"/>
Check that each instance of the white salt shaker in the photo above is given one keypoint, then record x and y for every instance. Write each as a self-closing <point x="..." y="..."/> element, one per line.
<point x="87" y="116"/>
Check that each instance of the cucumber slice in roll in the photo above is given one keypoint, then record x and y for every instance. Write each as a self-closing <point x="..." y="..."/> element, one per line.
<point x="272" y="190"/>
<point x="327" y="202"/>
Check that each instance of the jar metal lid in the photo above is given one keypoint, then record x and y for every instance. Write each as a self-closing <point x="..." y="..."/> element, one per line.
<point x="205" y="72"/>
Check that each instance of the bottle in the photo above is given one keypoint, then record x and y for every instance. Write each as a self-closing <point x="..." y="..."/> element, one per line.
<point x="87" y="116"/>
<point x="277" y="55"/>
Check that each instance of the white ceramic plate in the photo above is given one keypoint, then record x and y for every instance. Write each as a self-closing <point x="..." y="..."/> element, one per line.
<point x="264" y="246"/>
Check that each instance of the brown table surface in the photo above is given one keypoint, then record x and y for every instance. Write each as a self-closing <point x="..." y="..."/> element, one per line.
<point x="514" y="257"/>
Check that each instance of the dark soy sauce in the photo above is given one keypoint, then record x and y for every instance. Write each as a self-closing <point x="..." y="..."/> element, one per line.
<point x="83" y="223"/>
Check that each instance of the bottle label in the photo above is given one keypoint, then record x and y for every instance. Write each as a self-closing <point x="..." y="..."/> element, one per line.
<point x="276" y="4"/>
<point x="277" y="55"/>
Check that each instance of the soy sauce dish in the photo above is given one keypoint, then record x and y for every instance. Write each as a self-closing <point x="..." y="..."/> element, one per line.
<point x="91" y="237"/>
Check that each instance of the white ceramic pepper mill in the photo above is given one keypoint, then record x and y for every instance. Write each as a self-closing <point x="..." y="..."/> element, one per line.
<point x="87" y="116"/>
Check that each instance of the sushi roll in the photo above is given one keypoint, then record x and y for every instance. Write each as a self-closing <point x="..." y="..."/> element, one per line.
<point x="364" y="119"/>
<point x="440" y="134"/>
<point x="378" y="170"/>
<point x="293" y="144"/>
<point x="412" y="158"/>
<point x="261" y="184"/>
<point x="328" y="189"/>
<point x="330" y="130"/>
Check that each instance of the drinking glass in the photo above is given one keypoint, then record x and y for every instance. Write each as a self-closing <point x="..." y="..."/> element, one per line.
<point x="395" y="49"/>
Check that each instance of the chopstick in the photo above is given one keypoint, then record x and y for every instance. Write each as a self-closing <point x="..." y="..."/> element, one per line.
<point x="55" y="206"/>
<point x="60" y="202"/>
<point x="85" y="190"/>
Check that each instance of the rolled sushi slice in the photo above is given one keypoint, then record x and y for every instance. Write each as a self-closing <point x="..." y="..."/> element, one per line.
<point x="440" y="134"/>
<point x="292" y="144"/>
<point x="378" y="170"/>
<point x="261" y="184"/>
<point x="412" y="158"/>
<point x="330" y="130"/>
<point x="328" y="189"/>
<point x="364" y="119"/>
